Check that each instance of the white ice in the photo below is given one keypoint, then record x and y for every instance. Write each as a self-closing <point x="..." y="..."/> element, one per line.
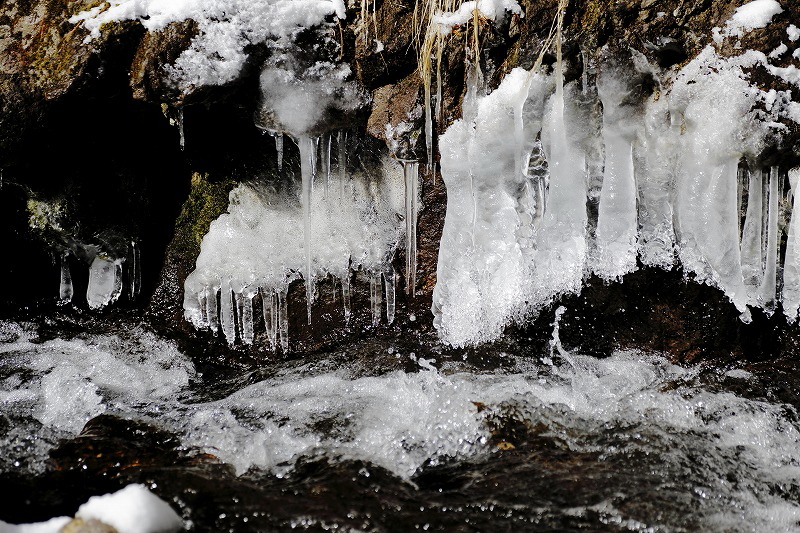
<point x="266" y="240"/>
<point x="105" y="282"/>
<point x="513" y="241"/>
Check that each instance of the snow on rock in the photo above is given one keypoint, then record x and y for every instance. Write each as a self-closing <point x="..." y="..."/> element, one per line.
<point x="487" y="9"/>
<point x="751" y="16"/>
<point x="133" y="509"/>
<point x="226" y="27"/>
<point x="793" y="32"/>
<point x="53" y="525"/>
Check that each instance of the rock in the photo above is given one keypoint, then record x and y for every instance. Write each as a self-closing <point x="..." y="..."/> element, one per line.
<point x="79" y="525"/>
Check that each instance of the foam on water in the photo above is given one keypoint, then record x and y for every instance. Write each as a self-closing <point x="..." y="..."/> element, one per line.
<point x="618" y="407"/>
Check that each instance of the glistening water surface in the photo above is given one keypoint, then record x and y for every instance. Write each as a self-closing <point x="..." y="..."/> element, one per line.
<point x="373" y="437"/>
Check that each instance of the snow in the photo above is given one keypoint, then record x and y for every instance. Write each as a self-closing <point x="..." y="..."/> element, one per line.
<point x="793" y="32"/>
<point x="487" y="9"/>
<point x="53" y="525"/>
<point x="779" y="51"/>
<point x="133" y="509"/>
<point x="751" y="16"/>
<point x="226" y="27"/>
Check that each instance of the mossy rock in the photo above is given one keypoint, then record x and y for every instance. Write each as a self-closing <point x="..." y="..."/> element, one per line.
<point x="207" y="200"/>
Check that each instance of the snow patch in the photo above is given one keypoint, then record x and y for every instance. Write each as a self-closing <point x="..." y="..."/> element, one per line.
<point x="487" y="9"/>
<point x="226" y="27"/>
<point x="751" y="16"/>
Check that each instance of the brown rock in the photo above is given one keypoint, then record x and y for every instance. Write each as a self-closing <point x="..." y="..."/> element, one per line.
<point x="79" y="525"/>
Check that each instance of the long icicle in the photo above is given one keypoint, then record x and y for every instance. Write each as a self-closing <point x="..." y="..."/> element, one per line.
<point x="411" y="176"/>
<point x="308" y="169"/>
<point x="342" y="162"/>
<point x="768" y="285"/>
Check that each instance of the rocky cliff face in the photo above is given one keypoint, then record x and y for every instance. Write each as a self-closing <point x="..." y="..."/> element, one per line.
<point x="113" y="150"/>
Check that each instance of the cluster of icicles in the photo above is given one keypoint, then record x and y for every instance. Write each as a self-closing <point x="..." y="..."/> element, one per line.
<point x="107" y="278"/>
<point x="543" y="189"/>
<point x="349" y="219"/>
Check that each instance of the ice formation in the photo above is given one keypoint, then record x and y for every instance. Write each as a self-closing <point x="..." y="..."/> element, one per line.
<point x="677" y="172"/>
<point x="105" y="282"/>
<point x="268" y="239"/>
<point x="65" y="290"/>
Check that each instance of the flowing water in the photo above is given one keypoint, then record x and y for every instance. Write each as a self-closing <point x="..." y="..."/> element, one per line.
<point x="395" y="434"/>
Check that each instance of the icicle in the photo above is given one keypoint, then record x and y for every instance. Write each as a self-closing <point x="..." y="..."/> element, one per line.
<point x="346" y="297"/>
<point x="342" y="162"/>
<point x="201" y="301"/>
<point x="326" y="161"/>
<point x="767" y="291"/>
<point x="105" y="282"/>
<point x="227" y="315"/>
<point x="211" y="308"/>
<point x="134" y="272"/>
<point x="741" y="177"/>
<point x="270" y="312"/>
<point x="279" y="150"/>
<point x="375" y="297"/>
<point x="238" y="300"/>
<point x="388" y="280"/>
<point x="180" y="128"/>
<point x="617" y="225"/>
<point x="308" y="168"/>
<point x="429" y="136"/>
<point x="561" y="239"/>
<point x="283" y="318"/>
<point x="791" y="267"/>
<point x="247" y="315"/>
<point x="752" y="237"/>
<point x="65" y="290"/>
<point x="411" y="175"/>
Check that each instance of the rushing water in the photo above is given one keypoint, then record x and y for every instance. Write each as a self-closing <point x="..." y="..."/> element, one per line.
<point x="377" y="437"/>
